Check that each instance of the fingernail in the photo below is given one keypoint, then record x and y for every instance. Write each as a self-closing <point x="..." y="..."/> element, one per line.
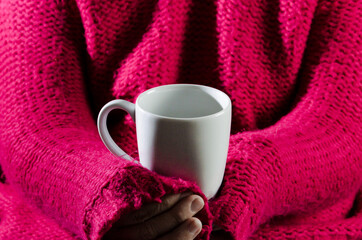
<point x="195" y="227"/>
<point x="197" y="204"/>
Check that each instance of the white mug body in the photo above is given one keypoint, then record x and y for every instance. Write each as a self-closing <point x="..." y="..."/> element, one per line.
<point x="193" y="147"/>
<point x="183" y="130"/>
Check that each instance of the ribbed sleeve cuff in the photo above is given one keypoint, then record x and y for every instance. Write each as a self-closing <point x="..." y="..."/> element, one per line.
<point x="127" y="190"/>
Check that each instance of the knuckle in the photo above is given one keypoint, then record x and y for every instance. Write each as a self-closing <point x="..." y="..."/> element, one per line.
<point x="158" y="208"/>
<point x="139" y="216"/>
<point x="179" y="215"/>
<point x="148" y="232"/>
<point x="154" y="210"/>
<point x="142" y="215"/>
<point x="165" y="203"/>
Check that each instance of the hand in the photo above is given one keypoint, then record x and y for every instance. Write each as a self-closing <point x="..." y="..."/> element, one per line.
<point x="171" y="219"/>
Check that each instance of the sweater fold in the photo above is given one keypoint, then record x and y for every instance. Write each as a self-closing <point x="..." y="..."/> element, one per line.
<point x="292" y="71"/>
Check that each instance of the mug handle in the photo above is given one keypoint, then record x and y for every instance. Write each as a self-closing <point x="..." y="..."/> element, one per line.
<point x="102" y="125"/>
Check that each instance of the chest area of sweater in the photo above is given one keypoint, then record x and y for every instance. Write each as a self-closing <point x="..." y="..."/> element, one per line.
<point x="243" y="49"/>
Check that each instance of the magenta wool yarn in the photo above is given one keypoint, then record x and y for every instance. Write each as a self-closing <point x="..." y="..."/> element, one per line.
<point x="292" y="69"/>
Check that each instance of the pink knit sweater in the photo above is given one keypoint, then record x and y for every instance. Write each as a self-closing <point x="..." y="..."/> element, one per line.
<point x="291" y="68"/>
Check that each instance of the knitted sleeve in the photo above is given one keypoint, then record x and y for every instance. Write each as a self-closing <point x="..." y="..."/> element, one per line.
<point x="311" y="158"/>
<point x="19" y="220"/>
<point x="53" y="154"/>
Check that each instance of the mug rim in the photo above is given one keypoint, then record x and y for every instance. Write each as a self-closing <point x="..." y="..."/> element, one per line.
<point x="224" y="107"/>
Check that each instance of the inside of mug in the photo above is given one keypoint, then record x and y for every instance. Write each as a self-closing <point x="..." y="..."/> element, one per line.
<point x="183" y="101"/>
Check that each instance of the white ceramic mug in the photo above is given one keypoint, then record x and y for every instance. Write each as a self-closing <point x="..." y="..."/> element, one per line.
<point x="182" y="130"/>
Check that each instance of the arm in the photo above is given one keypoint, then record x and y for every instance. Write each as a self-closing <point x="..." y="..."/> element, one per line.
<point x="20" y="220"/>
<point x="311" y="158"/>
<point x="53" y="153"/>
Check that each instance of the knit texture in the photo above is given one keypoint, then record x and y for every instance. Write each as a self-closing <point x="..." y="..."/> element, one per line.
<point x="20" y="220"/>
<point x="291" y="68"/>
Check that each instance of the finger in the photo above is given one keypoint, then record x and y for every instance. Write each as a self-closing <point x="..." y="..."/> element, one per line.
<point x="165" y="222"/>
<point x="151" y="210"/>
<point x="187" y="231"/>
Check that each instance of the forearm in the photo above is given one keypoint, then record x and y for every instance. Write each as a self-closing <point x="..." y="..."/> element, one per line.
<point x="311" y="157"/>
<point x="270" y="175"/>
<point x="317" y="143"/>
<point x="53" y="153"/>
<point x="20" y="220"/>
